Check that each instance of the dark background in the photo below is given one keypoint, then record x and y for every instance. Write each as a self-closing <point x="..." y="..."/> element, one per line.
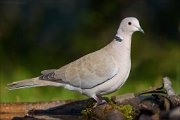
<point x="44" y="34"/>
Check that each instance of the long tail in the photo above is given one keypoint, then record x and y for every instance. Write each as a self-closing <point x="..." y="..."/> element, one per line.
<point x="34" y="82"/>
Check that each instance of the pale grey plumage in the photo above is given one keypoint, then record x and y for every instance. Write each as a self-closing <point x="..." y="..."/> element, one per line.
<point x="88" y="71"/>
<point x="101" y="72"/>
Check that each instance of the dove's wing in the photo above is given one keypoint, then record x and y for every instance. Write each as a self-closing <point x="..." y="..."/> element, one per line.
<point x="47" y="71"/>
<point x="86" y="72"/>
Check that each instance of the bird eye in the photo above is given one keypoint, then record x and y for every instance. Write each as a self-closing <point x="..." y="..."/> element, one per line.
<point x="129" y="23"/>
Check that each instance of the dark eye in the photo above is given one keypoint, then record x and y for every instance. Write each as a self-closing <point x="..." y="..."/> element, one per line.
<point x="129" y="23"/>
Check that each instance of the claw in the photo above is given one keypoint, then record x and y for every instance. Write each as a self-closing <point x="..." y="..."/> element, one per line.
<point x="99" y="100"/>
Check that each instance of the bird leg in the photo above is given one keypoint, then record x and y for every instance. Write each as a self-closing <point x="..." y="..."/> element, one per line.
<point x="99" y="100"/>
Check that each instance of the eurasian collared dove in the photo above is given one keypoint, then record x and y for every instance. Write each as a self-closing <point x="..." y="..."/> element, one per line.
<point x="95" y="74"/>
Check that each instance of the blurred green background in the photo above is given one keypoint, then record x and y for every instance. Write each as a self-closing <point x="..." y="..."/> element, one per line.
<point x="37" y="35"/>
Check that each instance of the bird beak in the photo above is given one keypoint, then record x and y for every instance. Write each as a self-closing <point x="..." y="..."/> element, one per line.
<point x="141" y="30"/>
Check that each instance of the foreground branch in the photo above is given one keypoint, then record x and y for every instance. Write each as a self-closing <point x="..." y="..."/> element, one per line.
<point x="154" y="103"/>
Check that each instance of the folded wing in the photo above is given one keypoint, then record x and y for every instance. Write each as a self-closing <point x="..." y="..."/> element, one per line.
<point x="86" y="72"/>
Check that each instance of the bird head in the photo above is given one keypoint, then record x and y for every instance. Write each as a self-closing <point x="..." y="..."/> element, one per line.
<point x="130" y="25"/>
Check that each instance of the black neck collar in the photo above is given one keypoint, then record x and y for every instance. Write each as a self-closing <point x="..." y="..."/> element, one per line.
<point x="117" y="38"/>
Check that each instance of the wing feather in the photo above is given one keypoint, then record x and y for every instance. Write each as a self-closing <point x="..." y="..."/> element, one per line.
<point x="86" y="72"/>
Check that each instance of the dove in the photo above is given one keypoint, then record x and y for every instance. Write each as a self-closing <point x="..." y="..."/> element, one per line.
<point x="101" y="72"/>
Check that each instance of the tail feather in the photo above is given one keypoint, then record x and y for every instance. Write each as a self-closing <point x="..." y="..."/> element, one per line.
<point x="34" y="82"/>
